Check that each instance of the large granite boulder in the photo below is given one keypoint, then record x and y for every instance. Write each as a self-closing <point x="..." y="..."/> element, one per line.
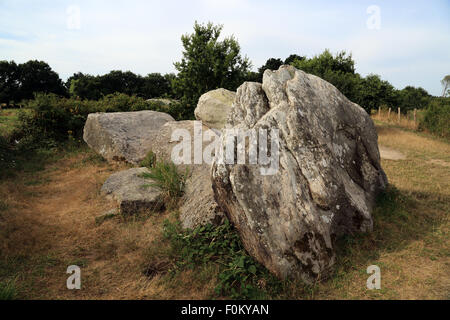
<point x="123" y="136"/>
<point x="132" y="192"/>
<point x="324" y="184"/>
<point x="214" y="106"/>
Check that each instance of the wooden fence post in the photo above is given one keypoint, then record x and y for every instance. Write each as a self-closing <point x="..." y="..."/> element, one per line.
<point x="389" y="114"/>
<point x="379" y="113"/>
<point x="415" y="114"/>
<point x="398" y="115"/>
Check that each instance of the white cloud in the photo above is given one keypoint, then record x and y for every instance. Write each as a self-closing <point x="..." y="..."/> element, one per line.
<point x="144" y="36"/>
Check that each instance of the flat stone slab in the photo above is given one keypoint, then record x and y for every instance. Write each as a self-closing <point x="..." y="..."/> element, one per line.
<point x="132" y="192"/>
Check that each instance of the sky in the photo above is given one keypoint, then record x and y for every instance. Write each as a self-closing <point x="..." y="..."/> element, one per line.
<point x="405" y="42"/>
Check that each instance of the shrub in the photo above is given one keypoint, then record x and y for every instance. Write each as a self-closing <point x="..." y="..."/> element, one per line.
<point x="437" y="117"/>
<point x="240" y="276"/>
<point x="50" y="118"/>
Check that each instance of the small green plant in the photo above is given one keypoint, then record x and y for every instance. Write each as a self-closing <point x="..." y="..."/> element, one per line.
<point x="8" y="290"/>
<point x="166" y="176"/>
<point x="149" y="160"/>
<point x="240" y="276"/>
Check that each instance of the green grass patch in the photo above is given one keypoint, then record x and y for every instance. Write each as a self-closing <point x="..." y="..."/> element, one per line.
<point x="8" y="290"/>
<point x="167" y="177"/>
<point x="219" y="250"/>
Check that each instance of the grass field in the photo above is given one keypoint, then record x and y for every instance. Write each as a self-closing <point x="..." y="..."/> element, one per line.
<point x="47" y="222"/>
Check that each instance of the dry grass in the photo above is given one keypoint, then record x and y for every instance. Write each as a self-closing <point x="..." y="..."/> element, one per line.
<point x="410" y="242"/>
<point x="404" y="121"/>
<point x="49" y="224"/>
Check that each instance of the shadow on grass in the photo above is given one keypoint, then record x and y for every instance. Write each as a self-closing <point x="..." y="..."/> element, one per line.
<point x="399" y="219"/>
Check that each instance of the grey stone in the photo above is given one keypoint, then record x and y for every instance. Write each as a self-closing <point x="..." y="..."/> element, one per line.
<point x="214" y="107"/>
<point x="328" y="177"/>
<point x="198" y="206"/>
<point x="132" y="192"/>
<point x="123" y="136"/>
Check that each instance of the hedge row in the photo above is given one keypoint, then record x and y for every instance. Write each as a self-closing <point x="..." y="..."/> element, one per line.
<point x="49" y="116"/>
<point x="437" y="117"/>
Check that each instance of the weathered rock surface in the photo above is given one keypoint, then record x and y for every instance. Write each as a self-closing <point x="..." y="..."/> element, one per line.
<point x="198" y="206"/>
<point x="131" y="191"/>
<point x="328" y="178"/>
<point x="214" y="107"/>
<point x="123" y="136"/>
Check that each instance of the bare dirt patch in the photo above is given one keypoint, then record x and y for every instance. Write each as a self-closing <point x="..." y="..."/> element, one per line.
<point x="391" y="154"/>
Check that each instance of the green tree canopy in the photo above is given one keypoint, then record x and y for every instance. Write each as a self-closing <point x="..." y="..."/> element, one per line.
<point x="156" y="85"/>
<point x="208" y="64"/>
<point x="337" y="69"/>
<point x="9" y="82"/>
<point x="18" y="82"/>
<point x="410" y="98"/>
<point x="37" y="76"/>
<point x="271" y="64"/>
<point x="293" y="57"/>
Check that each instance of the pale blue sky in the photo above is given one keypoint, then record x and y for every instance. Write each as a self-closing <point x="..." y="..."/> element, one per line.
<point x="412" y="46"/>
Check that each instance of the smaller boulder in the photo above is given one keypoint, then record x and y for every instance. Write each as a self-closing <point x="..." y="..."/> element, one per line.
<point x="122" y="136"/>
<point x="214" y="107"/>
<point x="132" y="191"/>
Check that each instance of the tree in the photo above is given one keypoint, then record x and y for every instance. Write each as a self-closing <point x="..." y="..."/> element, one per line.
<point x="446" y="84"/>
<point x="37" y="76"/>
<point x="9" y="82"/>
<point x="253" y="76"/>
<point x="372" y="93"/>
<point x="155" y="85"/>
<point x="208" y="64"/>
<point x="271" y="64"/>
<point x="320" y="64"/>
<point x="413" y="98"/>
<point x="337" y="69"/>
<point x="85" y="87"/>
<point x="292" y="58"/>
<point x="122" y="82"/>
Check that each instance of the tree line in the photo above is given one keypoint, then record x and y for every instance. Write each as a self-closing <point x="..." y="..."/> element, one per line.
<point x="207" y="63"/>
